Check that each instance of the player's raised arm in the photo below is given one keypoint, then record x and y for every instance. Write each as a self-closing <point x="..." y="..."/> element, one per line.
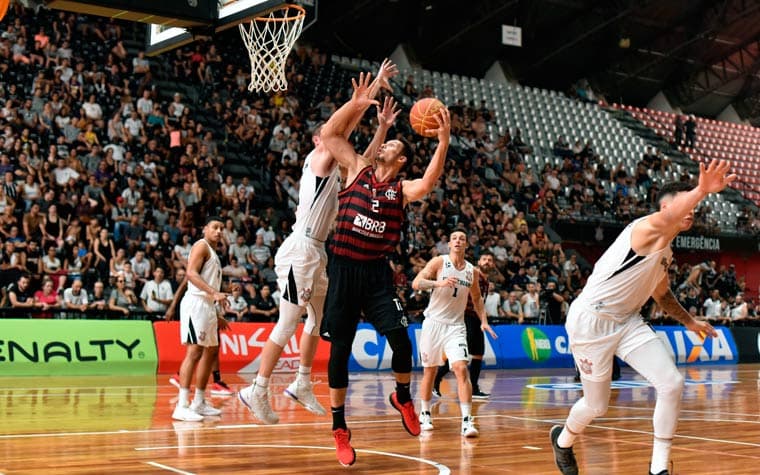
<point x="336" y="129"/>
<point x="416" y="189"/>
<point x="665" y="224"/>
<point x="385" y="119"/>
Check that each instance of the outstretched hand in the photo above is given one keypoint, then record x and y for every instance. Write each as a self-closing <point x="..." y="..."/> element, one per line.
<point x="387" y="71"/>
<point x="387" y="115"/>
<point x="487" y="328"/>
<point x="713" y="178"/>
<point x="702" y="328"/>
<point x="443" y="119"/>
<point x="360" y="96"/>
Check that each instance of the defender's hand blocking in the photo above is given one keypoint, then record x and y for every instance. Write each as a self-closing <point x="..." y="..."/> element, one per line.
<point x="712" y="178"/>
<point x="387" y="115"/>
<point x="444" y="125"/>
<point x="360" y="98"/>
<point x="387" y="71"/>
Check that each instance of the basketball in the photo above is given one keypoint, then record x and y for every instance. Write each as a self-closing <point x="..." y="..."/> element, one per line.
<point x="422" y="115"/>
<point x="4" y="5"/>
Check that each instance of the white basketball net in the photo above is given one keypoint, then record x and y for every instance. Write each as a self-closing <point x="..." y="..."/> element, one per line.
<point x="269" y="40"/>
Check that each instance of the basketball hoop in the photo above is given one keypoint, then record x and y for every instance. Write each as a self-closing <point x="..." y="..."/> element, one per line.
<point x="269" y="40"/>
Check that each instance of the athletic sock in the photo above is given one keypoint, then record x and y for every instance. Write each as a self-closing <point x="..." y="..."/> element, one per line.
<point x="566" y="438"/>
<point x="262" y="384"/>
<point x="184" y="397"/>
<point x="339" y="417"/>
<point x="660" y="455"/>
<point x="475" y="373"/>
<point x="466" y="409"/>
<point x="442" y="371"/>
<point x="200" y="396"/>
<point x="304" y="374"/>
<point x="217" y="376"/>
<point x="402" y="392"/>
<point x="425" y="406"/>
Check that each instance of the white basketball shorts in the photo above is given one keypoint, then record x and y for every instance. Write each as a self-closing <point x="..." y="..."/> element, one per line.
<point x="300" y="265"/>
<point x="438" y="339"/>
<point x="197" y="321"/>
<point x="594" y="341"/>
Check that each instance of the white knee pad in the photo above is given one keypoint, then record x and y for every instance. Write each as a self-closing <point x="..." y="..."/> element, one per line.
<point x="290" y="316"/>
<point x="315" y="310"/>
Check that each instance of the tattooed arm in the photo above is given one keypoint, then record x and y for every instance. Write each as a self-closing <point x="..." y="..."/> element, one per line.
<point x="668" y="302"/>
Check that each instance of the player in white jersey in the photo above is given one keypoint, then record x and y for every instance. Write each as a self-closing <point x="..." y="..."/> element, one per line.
<point x="604" y="321"/>
<point x="199" y="321"/>
<point x="444" y="332"/>
<point x="300" y="265"/>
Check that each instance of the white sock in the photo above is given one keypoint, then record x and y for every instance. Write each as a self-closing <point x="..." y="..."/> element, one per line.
<point x="566" y="439"/>
<point x="304" y="374"/>
<point x="660" y="455"/>
<point x="262" y="384"/>
<point x="200" y="396"/>
<point x="184" y="397"/>
<point x="466" y="408"/>
<point x="425" y="406"/>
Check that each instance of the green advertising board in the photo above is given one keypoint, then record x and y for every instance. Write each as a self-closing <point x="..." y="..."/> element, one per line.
<point x="76" y="347"/>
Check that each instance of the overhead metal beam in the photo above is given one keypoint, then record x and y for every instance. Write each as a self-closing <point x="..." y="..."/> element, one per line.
<point x="488" y="12"/>
<point x="699" y="34"/>
<point x="589" y="32"/>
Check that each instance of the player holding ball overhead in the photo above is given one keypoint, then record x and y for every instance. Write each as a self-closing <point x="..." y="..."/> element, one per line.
<point x="369" y="227"/>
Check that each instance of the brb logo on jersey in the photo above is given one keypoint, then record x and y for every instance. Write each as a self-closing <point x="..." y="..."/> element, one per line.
<point x="368" y="226"/>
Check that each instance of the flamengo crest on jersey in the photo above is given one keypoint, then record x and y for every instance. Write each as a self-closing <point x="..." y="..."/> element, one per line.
<point x="447" y="305"/>
<point x="317" y="202"/>
<point x="623" y="281"/>
<point x="211" y="273"/>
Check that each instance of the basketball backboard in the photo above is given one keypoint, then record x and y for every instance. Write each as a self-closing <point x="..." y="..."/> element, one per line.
<point x="163" y="36"/>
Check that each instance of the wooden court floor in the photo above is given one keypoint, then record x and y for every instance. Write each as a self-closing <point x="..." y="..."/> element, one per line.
<point x="122" y="425"/>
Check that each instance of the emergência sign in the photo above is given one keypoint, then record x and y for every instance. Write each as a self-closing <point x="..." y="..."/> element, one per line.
<point x="91" y="350"/>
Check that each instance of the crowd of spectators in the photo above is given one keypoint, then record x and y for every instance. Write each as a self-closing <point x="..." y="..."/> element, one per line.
<point x="107" y="176"/>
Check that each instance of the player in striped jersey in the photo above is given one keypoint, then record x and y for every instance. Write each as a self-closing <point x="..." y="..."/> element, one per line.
<point x="300" y="264"/>
<point x="370" y="219"/>
<point x="453" y="282"/>
<point x="605" y="319"/>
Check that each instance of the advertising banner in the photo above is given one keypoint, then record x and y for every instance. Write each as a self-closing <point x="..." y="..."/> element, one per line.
<point x="240" y="348"/>
<point x="689" y="348"/>
<point x="539" y="346"/>
<point x="76" y="347"/>
<point x="371" y="351"/>
<point x="747" y="343"/>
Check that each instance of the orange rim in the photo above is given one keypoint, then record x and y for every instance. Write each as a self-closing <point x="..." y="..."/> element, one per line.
<point x="299" y="14"/>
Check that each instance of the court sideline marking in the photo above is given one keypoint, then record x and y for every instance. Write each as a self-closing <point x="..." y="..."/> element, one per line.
<point x="442" y="469"/>
<point x="166" y="467"/>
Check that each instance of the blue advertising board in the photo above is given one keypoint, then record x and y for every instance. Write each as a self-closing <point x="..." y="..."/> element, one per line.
<point x="541" y="346"/>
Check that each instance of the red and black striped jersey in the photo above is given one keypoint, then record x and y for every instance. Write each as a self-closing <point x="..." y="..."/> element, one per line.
<point x="370" y="218"/>
<point x="483" y="284"/>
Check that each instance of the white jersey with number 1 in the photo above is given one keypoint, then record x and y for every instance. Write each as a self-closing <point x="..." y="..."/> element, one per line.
<point x="447" y="305"/>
